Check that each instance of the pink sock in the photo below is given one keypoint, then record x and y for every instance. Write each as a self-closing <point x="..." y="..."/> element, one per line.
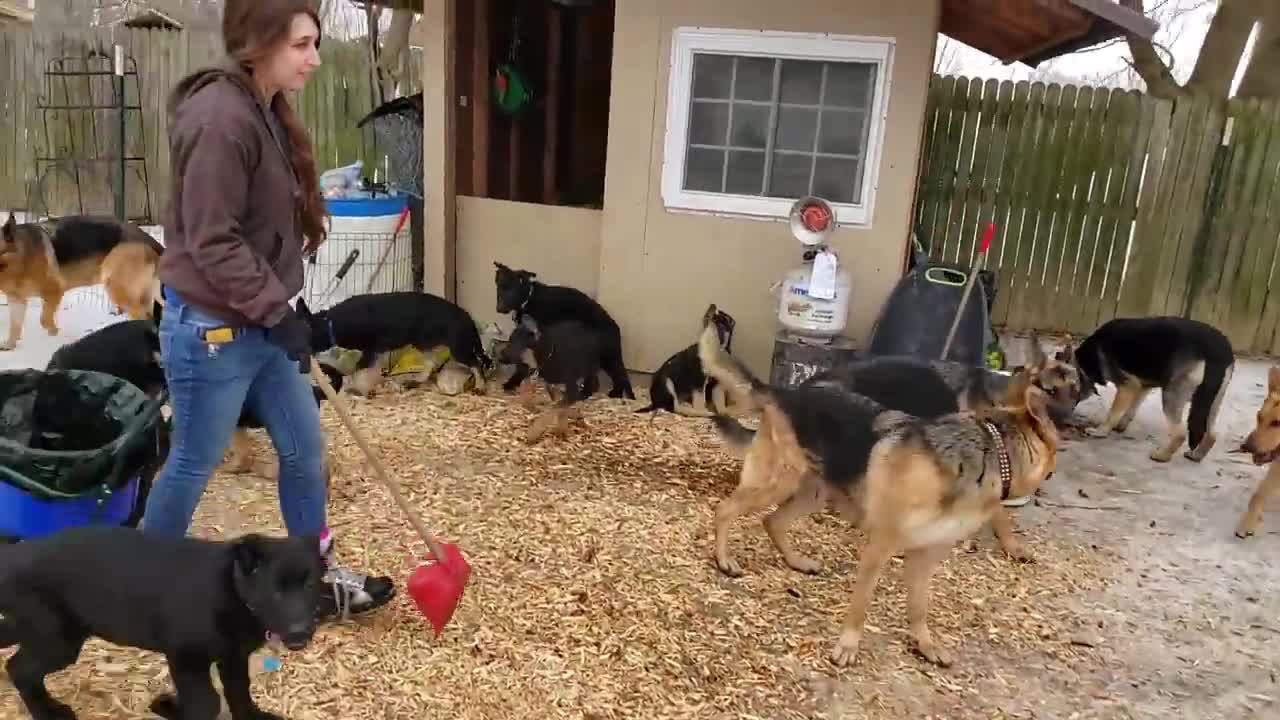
<point x="326" y="546"/>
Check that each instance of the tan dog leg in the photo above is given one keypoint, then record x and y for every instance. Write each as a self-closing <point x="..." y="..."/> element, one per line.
<point x="17" y="317"/>
<point x="870" y="566"/>
<point x="1127" y="396"/>
<point x="1002" y="524"/>
<point x="809" y="499"/>
<point x="919" y="568"/>
<point x="763" y="482"/>
<point x="241" y="460"/>
<point x="1267" y="489"/>
<point x="1174" y="399"/>
<point x="1133" y="410"/>
<point x="366" y="380"/>
<point x="50" y="300"/>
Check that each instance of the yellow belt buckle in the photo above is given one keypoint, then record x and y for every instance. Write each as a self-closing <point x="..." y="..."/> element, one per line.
<point x="218" y="336"/>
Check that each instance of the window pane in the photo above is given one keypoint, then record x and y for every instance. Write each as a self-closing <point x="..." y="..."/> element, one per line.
<point x="746" y="172"/>
<point x="837" y="179"/>
<point x="801" y="82"/>
<point x="708" y="123"/>
<point x="712" y="75"/>
<point x="789" y="176"/>
<point x="750" y="126"/>
<point x="841" y="132"/>
<point x="703" y="169"/>
<point x="755" y="79"/>
<point x="796" y="127"/>
<point x="849" y="85"/>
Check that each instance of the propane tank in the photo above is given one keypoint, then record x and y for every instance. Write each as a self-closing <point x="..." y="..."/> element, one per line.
<point x="813" y="298"/>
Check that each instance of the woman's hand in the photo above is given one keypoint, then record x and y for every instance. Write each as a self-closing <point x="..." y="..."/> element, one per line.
<point x="293" y="334"/>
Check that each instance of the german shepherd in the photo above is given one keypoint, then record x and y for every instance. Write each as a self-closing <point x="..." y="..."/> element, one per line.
<point x="46" y="259"/>
<point x="520" y="294"/>
<point x="567" y="355"/>
<point x="679" y="384"/>
<point x="1263" y="443"/>
<point x="911" y="484"/>
<point x="1188" y="360"/>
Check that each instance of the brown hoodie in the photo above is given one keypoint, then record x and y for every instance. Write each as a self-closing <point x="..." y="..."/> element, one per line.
<point x="233" y="244"/>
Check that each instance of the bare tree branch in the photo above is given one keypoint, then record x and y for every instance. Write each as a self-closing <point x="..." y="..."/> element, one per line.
<point x="1153" y="71"/>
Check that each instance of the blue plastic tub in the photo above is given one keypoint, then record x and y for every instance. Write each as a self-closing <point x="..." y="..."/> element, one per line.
<point x="366" y="207"/>
<point x="26" y="517"/>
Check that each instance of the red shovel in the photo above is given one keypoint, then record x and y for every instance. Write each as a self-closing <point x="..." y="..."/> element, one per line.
<point x="436" y="587"/>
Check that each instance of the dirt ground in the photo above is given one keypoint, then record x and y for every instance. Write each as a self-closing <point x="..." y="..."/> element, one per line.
<point x="1172" y="616"/>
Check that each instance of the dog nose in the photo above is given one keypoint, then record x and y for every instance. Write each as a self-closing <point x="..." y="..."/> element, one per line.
<point x="298" y="635"/>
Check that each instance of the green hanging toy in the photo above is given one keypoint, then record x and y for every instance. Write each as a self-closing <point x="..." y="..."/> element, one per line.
<point x="510" y="90"/>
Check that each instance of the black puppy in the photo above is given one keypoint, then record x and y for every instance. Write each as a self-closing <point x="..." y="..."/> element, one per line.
<point x="678" y="378"/>
<point x="129" y="349"/>
<point x="565" y="354"/>
<point x="378" y="323"/>
<point x="520" y="294"/>
<point x="197" y="602"/>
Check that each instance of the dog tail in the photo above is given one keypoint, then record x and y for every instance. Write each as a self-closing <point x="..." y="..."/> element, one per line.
<point x="717" y="363"/>
<point x="736" y="435"/>
<point x="1207" y="400"/>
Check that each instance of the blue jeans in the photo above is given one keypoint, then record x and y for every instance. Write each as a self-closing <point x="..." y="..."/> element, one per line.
<point x="209" y="385"/>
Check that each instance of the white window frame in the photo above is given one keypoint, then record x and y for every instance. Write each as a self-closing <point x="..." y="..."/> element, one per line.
<point x="819" y="47"/>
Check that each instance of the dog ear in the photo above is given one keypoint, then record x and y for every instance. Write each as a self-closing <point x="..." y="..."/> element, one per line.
<point x="6" y="233"/>
<point x="247" y="553"/>
<point x="1273" y="379"/>
<point x="302" y="309"/>
<point x="1016" y="391"/>
<point x="502" y="269"/>
<point x="709" y="316"/>
<point x="1036" y="402"/>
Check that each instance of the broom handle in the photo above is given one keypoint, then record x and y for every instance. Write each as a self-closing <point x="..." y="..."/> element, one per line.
<point x="392" y="486"/>
<point x="978" y="265"/>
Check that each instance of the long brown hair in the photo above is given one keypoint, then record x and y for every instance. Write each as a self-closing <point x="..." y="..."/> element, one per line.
<point x="252" y="30"/>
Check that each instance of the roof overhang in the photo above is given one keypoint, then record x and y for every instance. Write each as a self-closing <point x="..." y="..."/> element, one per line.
<point x="1032" y="31"/>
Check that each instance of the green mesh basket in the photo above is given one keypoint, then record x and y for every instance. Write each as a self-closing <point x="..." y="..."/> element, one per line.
<point x="64" y="433"/>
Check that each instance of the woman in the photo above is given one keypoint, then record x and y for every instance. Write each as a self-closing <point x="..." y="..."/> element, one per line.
<point x="245" y="209"/>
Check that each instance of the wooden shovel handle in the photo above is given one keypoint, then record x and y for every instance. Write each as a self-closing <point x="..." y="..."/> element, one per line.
<point x="392" y="486"/>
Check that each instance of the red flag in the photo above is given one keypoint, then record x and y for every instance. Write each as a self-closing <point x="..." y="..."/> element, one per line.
<point x="986" y="238"/>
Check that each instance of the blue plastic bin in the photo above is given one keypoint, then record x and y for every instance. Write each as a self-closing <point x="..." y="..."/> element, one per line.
<point x="26" y="517"/>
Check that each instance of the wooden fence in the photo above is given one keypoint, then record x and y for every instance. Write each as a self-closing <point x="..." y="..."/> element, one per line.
<point x="331" y="104"/>
<point x="1107" y="203"/>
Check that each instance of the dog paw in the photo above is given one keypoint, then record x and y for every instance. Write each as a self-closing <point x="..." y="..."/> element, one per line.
<point x="1096" y="432"/>
<point x="729" y="567"/>
<point x="1161" y="456"/>
<point x="1019" y="553"/>
<point x="1192" y="456"/>
<point x="808" y="566"/>
<point x="165" y="705"/>
<point x="846" y="649"/>
<point x="260" y="714"/>
<point x="7" y="346"/>
<point x="934" y="654"/>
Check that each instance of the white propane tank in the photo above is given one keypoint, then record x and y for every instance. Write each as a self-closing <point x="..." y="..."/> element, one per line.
<point x="799" y="311"/>
<point x="804" y="314"/>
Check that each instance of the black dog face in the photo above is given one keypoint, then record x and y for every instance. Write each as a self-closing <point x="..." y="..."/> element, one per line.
<point x="513" y="287"/>
<point x="521" y="343"/>
<point x="279" y="580"/>
<point x="321" y="335"/>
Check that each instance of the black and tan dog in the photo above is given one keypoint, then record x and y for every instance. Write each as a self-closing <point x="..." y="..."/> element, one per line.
<point x="378" y="323"/>
<point x="973" y="387"/>
<point x="1263" y="444"/>
<point x="1188" y="360"/>
<point x="680" y="386"/>
<point x="565" y="355"/>
<point x="46" y="259"/>
<point x="911" y="484"/>
<point x="521" y="295"/>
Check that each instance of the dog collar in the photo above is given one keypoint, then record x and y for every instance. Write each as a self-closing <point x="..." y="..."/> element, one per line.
<point x="1002" y="458"/>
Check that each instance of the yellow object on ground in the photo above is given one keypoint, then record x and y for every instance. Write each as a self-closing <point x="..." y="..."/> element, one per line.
<point x="410" y="360"/>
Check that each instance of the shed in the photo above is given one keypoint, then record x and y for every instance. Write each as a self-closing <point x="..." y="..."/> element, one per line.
<point x="665" y="140"/>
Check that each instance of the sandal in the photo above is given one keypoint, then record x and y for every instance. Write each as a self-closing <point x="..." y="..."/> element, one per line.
<point x="351" y="593"/>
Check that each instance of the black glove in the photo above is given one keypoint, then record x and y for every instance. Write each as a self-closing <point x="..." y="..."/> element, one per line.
<point x="293" y="334"/>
